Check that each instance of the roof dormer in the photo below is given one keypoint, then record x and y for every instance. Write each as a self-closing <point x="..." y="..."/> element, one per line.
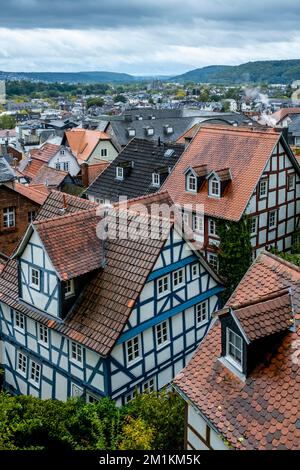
<point x="149" y="131"/>
<point x="248" y="330"/>
<point x="123" y="169"/>
<point x="194" y="178"/>
<point x="218" y="182"/>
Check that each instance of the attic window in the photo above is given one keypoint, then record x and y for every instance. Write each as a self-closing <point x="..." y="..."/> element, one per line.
<point x="149" y="131"/>
<point x="131" y="132"/>
<point x="69" y="288"/>
<point x="119" y="173"/>
<point x="234" y="348"/>
<point x="214" y="187"/>
<point x="168" y="153"/>
<point x="169" y="129"/>
<point x="156" y="180"/>
<point x="191" y="183"/>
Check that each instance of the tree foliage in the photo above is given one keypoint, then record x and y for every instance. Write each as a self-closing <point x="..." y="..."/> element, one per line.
<point x="235" y="252"/>
<point x="152" y="421"/>
<point x="7" y="122"/>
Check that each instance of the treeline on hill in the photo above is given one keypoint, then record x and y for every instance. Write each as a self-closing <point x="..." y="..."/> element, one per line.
<point x="149" y="422"/>
<point x="52" y="90"/>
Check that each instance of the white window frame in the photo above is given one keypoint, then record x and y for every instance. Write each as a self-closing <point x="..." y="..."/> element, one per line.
<point x="130" y="396"/>
<point x="35" y="372"/>
<point x="36" y="286"/>
<point x="9" y="217"/>
<point x="69" y="288"/>
<point x="214" y="187"/>
<point x="76" y="351"/>
<point x="191" y="188"/>
<point x="57" y="166"/>
<point x="198" y="223"/>
<point x="43" y="333"/>
<point x="212" y="223"/>
<point x="253" y="225"/>
<point x="22" y="360"/>
<point x="175" y="278"/>
<point x="131" y="132"/>
<point x="119" y="173"/>
<point x="133" y="350"/>
<point x="163" y="285"/>
<point x="201" y="310"/>
<point x="156" y="180"/>
<point x="214" y="264"/>
<point x="150" y="131"/>
<point x="263" y="184"/>
<point x="289" y="177"/>
<point x="195" y="270"/>
<point x="271" y="214"/>
<point x="19" y="321"/>
<point x="162" y="334"/>
<point x="149" y="386"/>
<point x="66" y="166"/>
<point x="78" y="389"/>
<point x="232" y="358"/>
<point x="104" y="152"/>
<point x="169" y="129"/>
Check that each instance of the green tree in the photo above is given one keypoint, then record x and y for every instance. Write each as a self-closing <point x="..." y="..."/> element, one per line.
<point x="120" y="98"/>
<point x="137" y="435"/>
<point x="235" y="252"/>
<point x="95" y="102"/>
<point x="7" y="122"/>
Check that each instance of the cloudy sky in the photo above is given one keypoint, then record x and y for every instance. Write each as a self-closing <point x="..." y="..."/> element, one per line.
<point x="145" y="36"/>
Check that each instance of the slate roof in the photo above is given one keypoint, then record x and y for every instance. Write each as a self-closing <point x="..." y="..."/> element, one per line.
<point x="58" y="202"/>
<point x="294" y="126"/>
<point x="146" y="156"/>
<point x="262" y="412"/>
<point x="245" y="152"/>
<point x="6" y="172"/>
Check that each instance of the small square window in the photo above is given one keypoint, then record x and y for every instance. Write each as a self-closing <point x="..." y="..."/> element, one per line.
<point x="9" y="217"/>
<point x="163" y="285"/>
<point x="202" y="313"/>
<point x="195" y="271"/>
<point x="35" y="372"/>
<point x="131" y="132"/>
<point x="178" y="278"/>
<point x="35" y="278"/>
<point x="291" y="181"/>
<point x="162" y="334"/>
<point x="69" y="288"/>
<point x="272" y="219"/>
<point x="19" y="321"/>
<point x="150" y="131"/>
<point x="253" y="225"/>
<point x="263" y="188"/>
<point x="22" y="363"/>
<point x="149" y="386"/>
<point x="76" y="352"/>
<point x="119" y="173"/>
<point x="133" y="349"/>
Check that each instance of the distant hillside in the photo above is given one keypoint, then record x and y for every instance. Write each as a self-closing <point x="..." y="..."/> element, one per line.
<point x="76" y="77"/>
<point x="271" y="71"/>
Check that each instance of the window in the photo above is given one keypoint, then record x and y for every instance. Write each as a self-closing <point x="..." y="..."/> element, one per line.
<point x="186" y="219"/>
<point x="130" y="396"/>
<point x="57" y="166"/>
<point x="91" y="398"/>
<point x="234" y="347"/>
<point x="169" y="129"/>
<point x="272" y="219"/>
<point x="69" y="288"/>
<point x="19" y="321"/>
<point x="197" y="223"/>
<point x="131" y="132"/>
<point x="103" y="152"/>
<point x="162" y="334"/>
<point x="178" y="278"/>
<point x="35" y="278"/>
<point x="119" y="173"/>
<point x="35" y="372"/>
<point x="76" y="352"/>
<point x="9" y="217"/>
<point x="66" y="166"/>
<point x="213" y="261"/>
<point x="253" y="226"/>
<point x="155" y="180"/>
<point x="214" y="187"/>
<point x="22" y="363"/>
<point x="150" y="131"/>
<point x="263" y="188"/>
<point x="195" y="271"/>
<point x="201" y="313"/>
<point x="163" y="285"/>
<point x="99" y="200"/>
<point x="149" y="386"/>
<point x="191" y="184"/>
<point x="133" y="349"/>
<point x="291" y="181"/>
<point x="62" y="152"/>
<point x="31" y="216"/>
<point x="212" y="229"/>
<point x="43" y="333"/>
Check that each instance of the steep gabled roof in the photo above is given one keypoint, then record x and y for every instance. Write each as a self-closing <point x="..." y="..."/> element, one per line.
<point x="45" y="153"/>
<point x="58" y="203"/>
<point x="82" y="142"/>
<point x="262" y="412"/>
<point x="31" y="192"/>
<point x="283" y="113"/>
<point x="245" y="151"/>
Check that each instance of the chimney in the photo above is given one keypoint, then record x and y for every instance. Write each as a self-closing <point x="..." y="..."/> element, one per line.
<point x="159" y="141"/>
<point x="65" y="202"/>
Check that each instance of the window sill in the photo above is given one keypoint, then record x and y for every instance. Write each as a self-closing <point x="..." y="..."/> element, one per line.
<point x="162" y="346"/>
<point x="134" y="362"/>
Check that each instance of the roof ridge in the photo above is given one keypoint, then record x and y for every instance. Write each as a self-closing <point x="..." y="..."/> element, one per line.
<point x="65" y="216"/>
<point x="241" y="130"/>
<point x="277" y="258"/>
<point x="259" y="300"/>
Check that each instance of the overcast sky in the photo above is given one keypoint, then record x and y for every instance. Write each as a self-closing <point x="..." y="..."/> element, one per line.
<point x="145" y="36"/>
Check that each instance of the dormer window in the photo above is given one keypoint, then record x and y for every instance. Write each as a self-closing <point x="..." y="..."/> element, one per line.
<point x="234" y="348"/>
<point x="156" y="180"/>
<point x="149" y="131"/>
<point x="191" y="185"/>
<point x="214" y="187"/>
<point x="35" y="278"/>
<point x="69" y="288"/>
<point x="169" y="129"/>
<point x="131" y="132"/>
<point x="119" y="173"/>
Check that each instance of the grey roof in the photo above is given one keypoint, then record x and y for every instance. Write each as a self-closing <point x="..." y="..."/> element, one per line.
<point x="141" y="158"/>
<point x="294" y="126"/>
<point x="6" y="172"/>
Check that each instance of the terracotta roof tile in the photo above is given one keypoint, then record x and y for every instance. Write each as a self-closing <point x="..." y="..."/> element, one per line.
<point x="82" y="142"/>
<point x="58" y="203"/>
<point x="45" y="152"/>
<point x="283" y="113"/>
<point x="31" y="192"/>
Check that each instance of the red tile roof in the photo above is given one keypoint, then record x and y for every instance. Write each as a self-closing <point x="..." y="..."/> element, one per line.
<point x="283" y="113"/>
<point x="262" y="412"/>
<point x="72" y="243"/>
<point x="32" y="168"/>
<point x="245" y="152"/>
<point x="31" y="192"/>
<point x="82" y="142"/>
<point x="49" y="176"/>
<point x="58" y="202"/>
<point x="45" y="153"/>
